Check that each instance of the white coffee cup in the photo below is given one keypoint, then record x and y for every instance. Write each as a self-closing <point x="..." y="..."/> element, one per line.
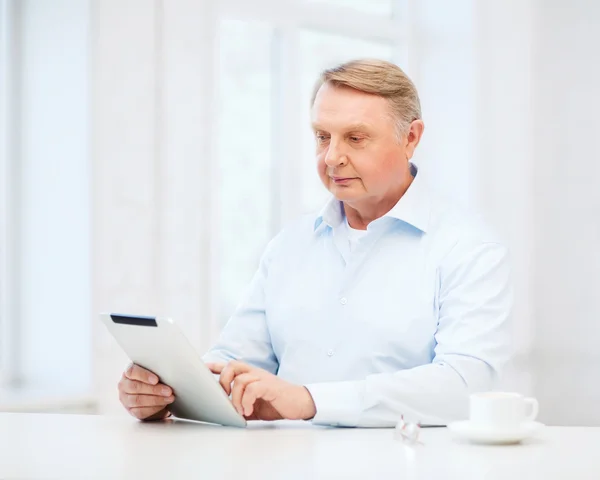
<point x="502" y="409"/>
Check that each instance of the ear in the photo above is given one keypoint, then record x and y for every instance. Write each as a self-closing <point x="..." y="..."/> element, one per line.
<point x="413" y="137"/>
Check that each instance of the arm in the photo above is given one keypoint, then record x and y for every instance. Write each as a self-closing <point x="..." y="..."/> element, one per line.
<point x="246" y="336"/>
<point x="472" y="344"/>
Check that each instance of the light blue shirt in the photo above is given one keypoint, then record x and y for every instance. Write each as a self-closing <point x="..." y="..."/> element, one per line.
<point x="407" y="323"/>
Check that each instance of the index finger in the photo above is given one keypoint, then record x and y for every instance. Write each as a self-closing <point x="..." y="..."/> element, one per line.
<point x="135" y="372"/>
<point x="215" y="367"/>
<point x="232" y="370"/>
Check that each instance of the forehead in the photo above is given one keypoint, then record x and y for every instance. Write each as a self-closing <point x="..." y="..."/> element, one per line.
<point x="344" y="105"/>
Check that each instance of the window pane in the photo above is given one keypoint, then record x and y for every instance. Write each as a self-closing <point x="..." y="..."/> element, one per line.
<point x="317" y="52"/>
<point x="244" y="154"/>
<point x="374" y="7"/>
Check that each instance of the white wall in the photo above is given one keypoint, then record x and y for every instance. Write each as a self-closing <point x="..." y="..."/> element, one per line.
<point x="538" y="166"/>
<point x="503" y="167"/>
<point x="153" y="203"/>
<point x="566" y="281"/>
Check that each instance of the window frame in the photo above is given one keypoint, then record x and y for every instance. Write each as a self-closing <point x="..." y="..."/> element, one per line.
<point x="288" y="20"/>
<point x="9" y="193"/>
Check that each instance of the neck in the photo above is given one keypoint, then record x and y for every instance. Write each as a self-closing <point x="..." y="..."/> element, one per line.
<point x="363" y="212"/>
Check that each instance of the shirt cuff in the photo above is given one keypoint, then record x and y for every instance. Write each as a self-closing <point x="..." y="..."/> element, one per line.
<point x="338" y="404"/>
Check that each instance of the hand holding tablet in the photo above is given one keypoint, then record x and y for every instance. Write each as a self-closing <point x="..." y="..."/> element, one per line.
<point x="143" y="395"/>
<point x="159" y="348"/>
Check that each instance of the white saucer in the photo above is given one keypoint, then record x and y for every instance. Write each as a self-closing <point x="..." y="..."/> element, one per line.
<point x="484" y="434"/>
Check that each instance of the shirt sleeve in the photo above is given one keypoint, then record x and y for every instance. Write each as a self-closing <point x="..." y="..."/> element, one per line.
<point x="472" y="344"/>
<point x="246" y="337"/>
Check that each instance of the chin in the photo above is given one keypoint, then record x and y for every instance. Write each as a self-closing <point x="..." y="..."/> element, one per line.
<point x="344" y="194"/>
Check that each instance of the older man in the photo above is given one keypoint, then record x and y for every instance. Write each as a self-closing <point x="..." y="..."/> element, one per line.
<point x="388" y="303"/>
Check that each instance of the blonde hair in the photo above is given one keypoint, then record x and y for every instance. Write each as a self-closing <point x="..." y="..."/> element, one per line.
<point x="381" y="78"/>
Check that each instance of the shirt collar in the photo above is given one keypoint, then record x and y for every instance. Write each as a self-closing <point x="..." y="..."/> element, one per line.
<point x="331" y="215"/>
<point x="412" y="208"/>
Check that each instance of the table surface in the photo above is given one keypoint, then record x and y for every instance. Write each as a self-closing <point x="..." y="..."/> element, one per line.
<point x="89" y="446"/>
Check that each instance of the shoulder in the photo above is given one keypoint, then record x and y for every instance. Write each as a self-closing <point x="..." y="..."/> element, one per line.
<point x="295" y="235"/>
<point x="462" y="223"/>
<point x="303" y="226"/>
<point x="458" y="231"/>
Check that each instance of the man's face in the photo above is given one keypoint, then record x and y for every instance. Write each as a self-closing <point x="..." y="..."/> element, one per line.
<point x="358" y="153"/>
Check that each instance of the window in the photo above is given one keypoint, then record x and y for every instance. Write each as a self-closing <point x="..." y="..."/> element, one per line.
<point x="268" y="60"/>
<point x="46" y="281"/>
<point x="375" y="7"/>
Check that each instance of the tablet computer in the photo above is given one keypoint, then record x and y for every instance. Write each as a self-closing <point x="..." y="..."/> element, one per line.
<point x="158" y="345"/>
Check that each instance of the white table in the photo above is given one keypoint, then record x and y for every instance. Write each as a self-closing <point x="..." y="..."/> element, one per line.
<point x="79" y="446"/>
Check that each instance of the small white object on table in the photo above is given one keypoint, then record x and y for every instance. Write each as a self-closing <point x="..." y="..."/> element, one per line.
<point x="80" y="446"/>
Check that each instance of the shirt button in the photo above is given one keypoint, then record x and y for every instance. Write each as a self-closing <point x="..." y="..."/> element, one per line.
<point x="330" y="353"/>
<point x="343" y="300"/>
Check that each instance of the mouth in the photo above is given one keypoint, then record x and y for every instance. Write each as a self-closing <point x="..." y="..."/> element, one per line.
<point x="342" y="180"/>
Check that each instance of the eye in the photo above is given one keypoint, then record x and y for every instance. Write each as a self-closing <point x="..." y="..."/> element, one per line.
<point x="355" y="139"/>
<point x="321" y="137"/>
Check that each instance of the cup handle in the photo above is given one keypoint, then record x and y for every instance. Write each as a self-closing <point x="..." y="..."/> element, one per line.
<point x="534" y="409"/>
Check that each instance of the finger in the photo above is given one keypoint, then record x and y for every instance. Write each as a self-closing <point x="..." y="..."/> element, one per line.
<point x="215" y="367"/>
<point x="239" y="385"/>
<point x="252" y="392"/>
<point x="135" y="387"/>
<point x="231" y="370"/>
<point x="149" y="413"/>
<point x="137" y="401"/>
<point x="135" y="372"/>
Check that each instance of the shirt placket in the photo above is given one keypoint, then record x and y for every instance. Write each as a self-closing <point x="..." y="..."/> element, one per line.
<point x="355" y="261"/>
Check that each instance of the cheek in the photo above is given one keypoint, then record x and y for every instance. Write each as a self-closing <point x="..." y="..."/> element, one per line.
<point x="376" y="174"/>
<point x="363" y="166"/>
<point x="321" y="165"/>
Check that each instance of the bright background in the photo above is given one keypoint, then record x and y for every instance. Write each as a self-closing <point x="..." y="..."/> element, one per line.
<point x="150" y="149"/>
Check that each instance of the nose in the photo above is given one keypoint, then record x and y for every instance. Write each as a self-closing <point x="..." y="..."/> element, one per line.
<point x="335" y="156"/>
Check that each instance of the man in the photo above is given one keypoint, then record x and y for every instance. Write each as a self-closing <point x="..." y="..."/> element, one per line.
<point x="388" y="303"/>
